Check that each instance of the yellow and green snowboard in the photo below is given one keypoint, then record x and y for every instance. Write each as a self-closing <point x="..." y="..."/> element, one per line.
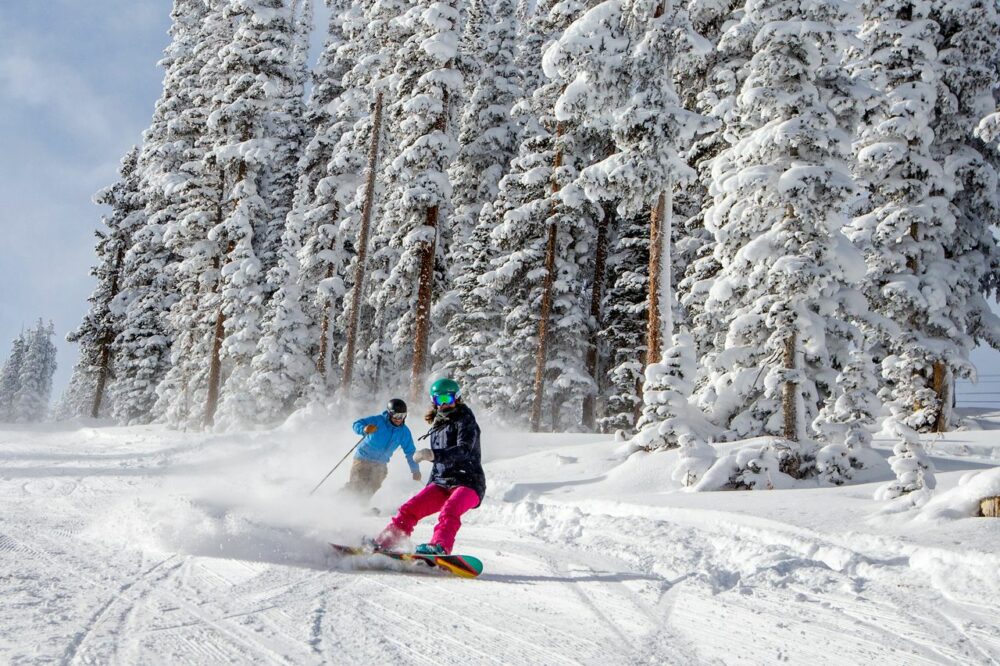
<point x="464" y="566"/>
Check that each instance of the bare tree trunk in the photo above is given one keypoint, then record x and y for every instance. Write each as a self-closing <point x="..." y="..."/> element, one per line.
<point x="789" y="398"/>
<point x="105" y="367"/>
<point x="543" y="322"/>
<point x="666" y="269"/>
<point x="215" y="367"/>
<point x="423" y="314"/>
<point x="425" y="289"/>
<point x="324" y="332"/>
<point x="941" y="388"/>
<point x="377" y="379"/>
<point x="596" y="296"/>
<point x="653" y="326"/>
<point x="102" y="377"/>
<point x="359" y="268"/>
<point x="543" y="328"/>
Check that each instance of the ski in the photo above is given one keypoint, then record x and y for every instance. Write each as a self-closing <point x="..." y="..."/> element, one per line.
<point x="464" y="566"/>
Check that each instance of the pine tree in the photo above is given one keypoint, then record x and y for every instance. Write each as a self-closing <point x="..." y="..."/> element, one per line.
<point x="427" y="89"/>
<point x="548" y="234"/>
<point x="649" y="126"/>
<point x="34" y="390"/>
<point x="286" y="45"/>
<point x="97" y="367"/>
<point x="487" y="141"/>
<point x="625" y="319"/>
<point x="142" y="347"/>
<point x="969" y="62"/>
<point x="10" y="377"/>
<point x="183" y="394"/>
<point x="781" y="194"/>
<point x="253" y="134"/>
<point x="361" y="151"/>
<point x="667" y="415"/>
<point x="911" y="283"/>
<point x="285" y="363"/>
<point x="708" y="81"/>
<point x="846" y="420"/>
<point x="914" y="470"/>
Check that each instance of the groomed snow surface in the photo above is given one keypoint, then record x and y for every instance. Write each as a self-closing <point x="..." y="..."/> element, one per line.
<point x="146" y="546"/>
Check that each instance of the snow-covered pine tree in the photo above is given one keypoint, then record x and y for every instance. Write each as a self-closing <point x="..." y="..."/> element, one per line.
<point x="142" y="347"/>
<point x="913" y="468"/>
<point x="667" y="387"/>
<point x="487" y="141"/>
<point x="548" y="235"/>
<point x="845" y="421"/>
<point x="428" y="87"/>
<point x="708" y="81"/>
<point x="781" y="193"/>
<point x="589" y="61"/>
<point x="34" y="384"/>
<point x="516" y="246"/>
<point x="624" y="324"/>
<point x="969" y="63"/>
<point x="648" y="128"/>
<point x="371" y="84"/>
<point x="102" y="323"/>
<point x="183" y="395"/>
<point x="10" y="377"/>
<point x="253" y="134"/>
<point x="282" y="54"/>
<point x="291" y="359"/>
<point x="908" y="220"/>
<point x="474" y="327"/>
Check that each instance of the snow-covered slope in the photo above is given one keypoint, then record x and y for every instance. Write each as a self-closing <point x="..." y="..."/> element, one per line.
<point x="143" y="545"/>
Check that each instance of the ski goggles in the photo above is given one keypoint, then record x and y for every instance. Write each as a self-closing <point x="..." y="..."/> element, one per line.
<point x="397" y="415"/>
<point x="443" y="399"/>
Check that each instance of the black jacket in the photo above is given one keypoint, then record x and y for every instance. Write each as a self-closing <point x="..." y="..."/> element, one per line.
<point x="455" y="443"/>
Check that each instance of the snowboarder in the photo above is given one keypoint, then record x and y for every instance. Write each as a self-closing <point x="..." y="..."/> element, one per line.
<point x="457" y="482"/>
<point x="383" y="433"/>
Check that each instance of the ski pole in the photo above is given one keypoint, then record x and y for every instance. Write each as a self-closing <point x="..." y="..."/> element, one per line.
<point x="337" y="465"/>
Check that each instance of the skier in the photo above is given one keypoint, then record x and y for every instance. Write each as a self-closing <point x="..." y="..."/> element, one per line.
<point x="383" y="433"/>
<point x="457" y="482"/>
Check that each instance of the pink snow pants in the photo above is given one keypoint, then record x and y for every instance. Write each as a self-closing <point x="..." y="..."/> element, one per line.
<point x="433" y="498"/>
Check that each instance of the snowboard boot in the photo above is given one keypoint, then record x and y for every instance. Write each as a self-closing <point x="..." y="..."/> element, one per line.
<point x="430" y="549"/>
<point x="370" y="545"/>
<point x="389" y="538"/>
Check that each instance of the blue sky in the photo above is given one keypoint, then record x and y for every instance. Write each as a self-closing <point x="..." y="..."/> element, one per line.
<point x="78" y="82"/>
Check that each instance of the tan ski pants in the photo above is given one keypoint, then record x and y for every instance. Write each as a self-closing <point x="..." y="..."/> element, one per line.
<point x="366" y="478"/>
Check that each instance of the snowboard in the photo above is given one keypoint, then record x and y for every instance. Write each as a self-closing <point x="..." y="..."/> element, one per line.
<point x="464" y="566"/>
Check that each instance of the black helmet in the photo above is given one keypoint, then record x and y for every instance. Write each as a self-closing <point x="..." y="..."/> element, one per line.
<point x="397" y="407"/>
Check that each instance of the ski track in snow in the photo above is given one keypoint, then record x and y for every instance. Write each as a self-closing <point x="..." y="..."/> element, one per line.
<point x="585" y="583"/>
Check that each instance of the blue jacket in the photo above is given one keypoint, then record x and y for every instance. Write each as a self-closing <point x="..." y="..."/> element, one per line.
<point x="380" y="445"/>
<point x="455" y="443"/>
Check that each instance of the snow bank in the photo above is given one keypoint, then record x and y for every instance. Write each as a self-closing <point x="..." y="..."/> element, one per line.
<point x="963" y="500"/>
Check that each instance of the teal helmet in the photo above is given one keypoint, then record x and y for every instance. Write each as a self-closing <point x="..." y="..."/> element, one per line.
<point x="444" y="392"/>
